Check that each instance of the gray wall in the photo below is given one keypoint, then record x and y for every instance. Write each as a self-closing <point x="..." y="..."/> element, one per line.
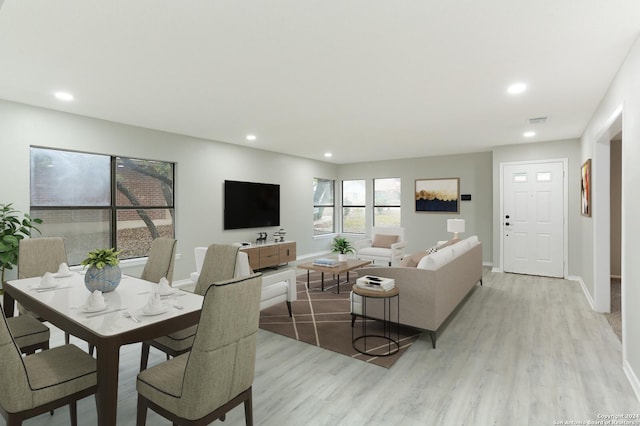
<point x="202" y="166"/>
<point x="426" y="229"/>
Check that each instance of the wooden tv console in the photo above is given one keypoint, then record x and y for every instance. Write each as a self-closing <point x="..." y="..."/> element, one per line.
<point x="266" y="255"/>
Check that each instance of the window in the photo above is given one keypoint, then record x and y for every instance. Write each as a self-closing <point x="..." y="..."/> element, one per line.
<point x="353" y="206"/>
<point x="386" y="202"/>
<point x="323" y="206"/>
<point x="99" y="201"/>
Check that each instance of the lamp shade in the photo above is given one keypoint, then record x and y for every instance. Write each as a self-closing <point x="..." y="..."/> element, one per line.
<point x="455" y="226"/>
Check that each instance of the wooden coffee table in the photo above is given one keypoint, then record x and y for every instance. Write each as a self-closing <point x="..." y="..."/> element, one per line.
<point x="342" y="267"/>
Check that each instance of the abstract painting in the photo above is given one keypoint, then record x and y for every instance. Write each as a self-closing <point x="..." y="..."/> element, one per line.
<point x="438" y="195"/>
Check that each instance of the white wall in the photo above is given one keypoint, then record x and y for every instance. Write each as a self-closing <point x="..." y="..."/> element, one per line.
<point x="624" y="93"/>
<point x="201" y="168"/>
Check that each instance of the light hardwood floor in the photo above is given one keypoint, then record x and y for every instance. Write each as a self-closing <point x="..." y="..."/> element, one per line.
<point x="520" y="351"/>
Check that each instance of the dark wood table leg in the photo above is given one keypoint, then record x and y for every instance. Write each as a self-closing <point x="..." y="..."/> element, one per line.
<point x="107" y="395"/>
<point x="308" y="278"/>
<point x="322" y="279"/>
<point x="8" y="302"/>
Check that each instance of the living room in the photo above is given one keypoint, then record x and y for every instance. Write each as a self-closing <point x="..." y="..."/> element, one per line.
<point x="202" y="166"/>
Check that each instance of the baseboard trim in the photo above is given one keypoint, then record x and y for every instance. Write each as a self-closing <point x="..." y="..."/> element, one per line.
<point x="583" y="286"/>
<point x="496" y="269"/>
<point x="631" y="376"/>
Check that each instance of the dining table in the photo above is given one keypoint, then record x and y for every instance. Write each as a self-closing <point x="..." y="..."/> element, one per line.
<point x="123" y="319"/>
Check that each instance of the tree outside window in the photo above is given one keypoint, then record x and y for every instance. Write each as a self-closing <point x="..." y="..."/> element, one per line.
<point x="353" y="206"/>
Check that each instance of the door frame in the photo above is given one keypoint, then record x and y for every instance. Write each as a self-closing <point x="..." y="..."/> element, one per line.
<point x="565" y="202"/>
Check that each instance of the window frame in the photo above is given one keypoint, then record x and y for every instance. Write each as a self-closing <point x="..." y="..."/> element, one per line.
<point x="358" y="206"/>
<point x="376" y="205"/>
<point x="332" y="205"/>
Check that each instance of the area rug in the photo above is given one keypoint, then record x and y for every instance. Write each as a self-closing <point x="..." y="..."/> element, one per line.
<point x="322" y="318"/>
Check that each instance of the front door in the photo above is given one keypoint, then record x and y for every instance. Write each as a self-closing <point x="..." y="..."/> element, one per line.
<point x="533" y="219"/>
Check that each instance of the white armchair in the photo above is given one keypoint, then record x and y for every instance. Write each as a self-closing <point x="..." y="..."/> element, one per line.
<point x="385" y="245"/>
<point x="277" y="287"/>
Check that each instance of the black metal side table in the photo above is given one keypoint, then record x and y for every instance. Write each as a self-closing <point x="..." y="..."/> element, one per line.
<point x="383" y="344"/>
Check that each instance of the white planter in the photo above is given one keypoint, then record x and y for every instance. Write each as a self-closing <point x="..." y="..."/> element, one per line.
<point x="342" y="257"/>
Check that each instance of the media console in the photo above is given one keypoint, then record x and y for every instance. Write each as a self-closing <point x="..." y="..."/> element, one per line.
<point x="266" y="255"/>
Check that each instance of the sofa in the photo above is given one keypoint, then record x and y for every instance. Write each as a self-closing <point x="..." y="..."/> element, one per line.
<point x="277" y="287"/>
<point x="432" y="284"/>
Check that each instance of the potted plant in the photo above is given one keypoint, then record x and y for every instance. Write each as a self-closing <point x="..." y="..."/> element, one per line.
<point x="104" y="273"/>
<point x="342" y="246"/>
<point x="15" y="227"/>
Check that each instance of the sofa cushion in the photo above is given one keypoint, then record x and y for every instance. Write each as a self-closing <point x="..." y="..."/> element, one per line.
<point x="384" y="241"/>
<point x="437" y="259"/>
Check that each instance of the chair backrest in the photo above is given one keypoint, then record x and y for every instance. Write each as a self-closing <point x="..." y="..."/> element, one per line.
<point x="399" y="231"/>
<point x="36" y="256"/>
<point x="15" y="392"/>
<point x="162" y="255"/>
<point x="219" y="264"/>
<point x="221" y="363"/>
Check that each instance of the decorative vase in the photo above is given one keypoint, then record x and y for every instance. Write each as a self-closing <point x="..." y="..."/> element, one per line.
<point x="104" y="280"/>
<point x="342" y="257"/>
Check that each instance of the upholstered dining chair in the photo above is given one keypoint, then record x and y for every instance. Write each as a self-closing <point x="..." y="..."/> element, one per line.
<point x="162" y="255"/>
<point x="43" y="381"/>
<point x="219" y="264"/>
<point x="201" y="386"/>
<point x="29" y="333"/>
<point x="36" y="256"/>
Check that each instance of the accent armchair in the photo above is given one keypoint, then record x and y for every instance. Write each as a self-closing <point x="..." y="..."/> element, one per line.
<point x="277" y="287"/>
<point x="385" y="245"/>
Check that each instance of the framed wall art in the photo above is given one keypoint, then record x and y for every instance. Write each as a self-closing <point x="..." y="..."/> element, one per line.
<point x="438" y="195"/>
<point x="585" y="188"/>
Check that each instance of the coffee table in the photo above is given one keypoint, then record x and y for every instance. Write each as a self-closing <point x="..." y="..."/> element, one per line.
<point x="341" y="267"/>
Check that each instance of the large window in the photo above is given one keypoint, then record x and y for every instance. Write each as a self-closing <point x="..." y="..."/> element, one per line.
<point x="323" y="206"/>
<point x="386" y="202"/>
<point x="353" y="206"/>
<point x="99" y="201"/>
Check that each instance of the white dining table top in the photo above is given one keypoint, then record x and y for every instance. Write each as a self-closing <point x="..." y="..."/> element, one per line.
<point x="70" y="298"/>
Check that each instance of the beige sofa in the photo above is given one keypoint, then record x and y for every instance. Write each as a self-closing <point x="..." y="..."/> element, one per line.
<point x="431" y="291"/>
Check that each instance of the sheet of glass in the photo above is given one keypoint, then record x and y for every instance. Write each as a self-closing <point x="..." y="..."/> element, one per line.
<point x="143" y="183"/>
<point x="67" y="178"/>
<point x="137" y="228"/>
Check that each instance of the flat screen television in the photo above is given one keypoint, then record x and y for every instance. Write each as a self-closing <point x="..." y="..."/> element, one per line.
<point x="251" y="204"/>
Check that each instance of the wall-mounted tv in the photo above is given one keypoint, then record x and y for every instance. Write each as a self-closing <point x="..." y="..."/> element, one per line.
<point x="251" y="204"/>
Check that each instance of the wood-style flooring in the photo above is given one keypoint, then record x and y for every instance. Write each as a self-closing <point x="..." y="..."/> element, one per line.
<point x="520" y="350"/>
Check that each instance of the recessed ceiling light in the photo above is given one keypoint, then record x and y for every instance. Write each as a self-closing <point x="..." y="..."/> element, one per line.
<point x="529" y="134"/>
<point x="517" y="88"/>
<point x="64" y="96"/>
<point x="251" y="137"/>
<point x="328" y="154"/>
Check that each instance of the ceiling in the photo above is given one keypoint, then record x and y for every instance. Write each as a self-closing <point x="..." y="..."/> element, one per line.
<point x="364" y="79"/>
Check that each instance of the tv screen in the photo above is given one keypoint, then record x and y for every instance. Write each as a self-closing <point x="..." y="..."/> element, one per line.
<point x="251" y="204"/>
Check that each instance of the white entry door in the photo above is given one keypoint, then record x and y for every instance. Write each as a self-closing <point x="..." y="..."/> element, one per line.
<point x="533" y="219"/>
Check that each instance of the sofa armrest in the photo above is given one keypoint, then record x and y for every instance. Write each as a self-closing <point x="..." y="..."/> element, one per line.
<point x="397" y="252"/>
<point x="360" y="244"/>
<point x="288" y="276"/>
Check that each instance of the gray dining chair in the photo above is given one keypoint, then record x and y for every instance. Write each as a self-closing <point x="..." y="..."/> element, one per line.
<point x="37" y="256"/>
<point x="29" y="333"/>
<point x="160" y="261"/>
<point x="202" y="385"/>
<point x="219" y="264"/>
<point x="41" y="382"/>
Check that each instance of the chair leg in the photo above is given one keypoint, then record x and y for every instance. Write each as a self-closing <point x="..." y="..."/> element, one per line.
<point x="73" y="413"/>
<point x="91" y="348"/>
<point x="141" y="417"/>
<point x="144" y="356"/>
<point x="248" y="410"/>
<point x="289" y="308"/>
<point x="66" y="338"/>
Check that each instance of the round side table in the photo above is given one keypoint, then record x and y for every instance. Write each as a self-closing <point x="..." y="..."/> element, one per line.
<point x="383" y="344"/>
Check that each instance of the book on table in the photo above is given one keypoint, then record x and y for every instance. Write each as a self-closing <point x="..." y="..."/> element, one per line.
<point x="326" y="262"/>
<point x="371" y="282"/>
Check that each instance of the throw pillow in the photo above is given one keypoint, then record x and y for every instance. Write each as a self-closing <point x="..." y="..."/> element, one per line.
<point x="384" y="241"/>
<point x="411" y="261"/>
